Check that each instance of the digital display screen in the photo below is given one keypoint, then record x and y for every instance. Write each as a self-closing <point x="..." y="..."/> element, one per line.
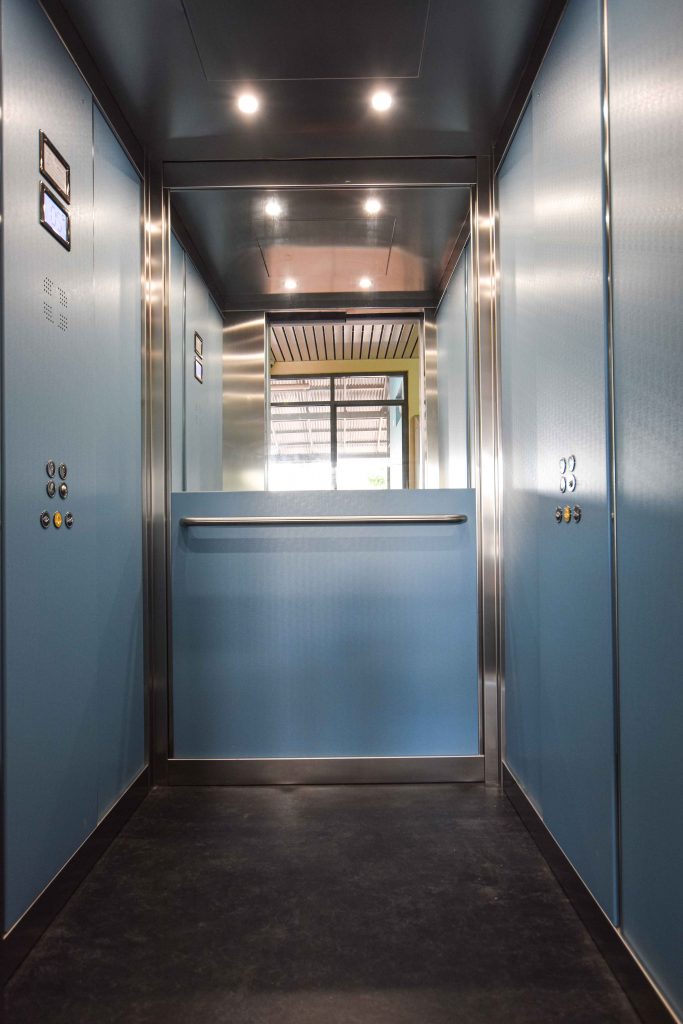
<point x="54" y="217"/>
<point x="199" y="370"/>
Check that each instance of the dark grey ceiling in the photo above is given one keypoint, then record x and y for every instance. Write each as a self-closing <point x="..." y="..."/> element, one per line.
<point x="175" y="70"/>
<point x="326" y="242"/>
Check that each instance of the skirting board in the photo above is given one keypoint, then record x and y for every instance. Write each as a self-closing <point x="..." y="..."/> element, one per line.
<point x="645" y="998"/>
<point x="23" y="936"/>
<point x="323" y="771"/>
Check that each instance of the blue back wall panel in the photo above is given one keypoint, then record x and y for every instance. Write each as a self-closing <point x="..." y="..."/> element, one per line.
<point x="325" y="641"/>
<point x="646" y="118"/>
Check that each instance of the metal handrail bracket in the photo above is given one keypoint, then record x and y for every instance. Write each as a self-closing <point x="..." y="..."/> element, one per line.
<point x="187" y="521"/>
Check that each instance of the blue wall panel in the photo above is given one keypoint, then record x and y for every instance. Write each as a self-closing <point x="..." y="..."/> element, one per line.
<point x="555" y="403"/>
<point x="520" y="437"/>
<point x="72" y="673"/>
<point x="324" y="641"/>
<point x="646" y="117"/>
<point x="203" y="402"/>
<point x="196" y="409"/>
<point x="50" y="672"/>
<point x="452" y="368"/>
<point x="118" y="466"/>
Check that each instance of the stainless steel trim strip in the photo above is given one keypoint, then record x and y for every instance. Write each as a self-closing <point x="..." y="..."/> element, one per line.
<point x="488" y="456"/>
<point x="315" y="520"/>
<point x="612" y="444"/>
<point x="323" y="771"/>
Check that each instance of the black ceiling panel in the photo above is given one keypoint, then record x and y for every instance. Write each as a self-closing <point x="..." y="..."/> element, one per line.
<point x="261" y="40"/>
<point x="325" y="242"/>
<point x="472" y="57"/>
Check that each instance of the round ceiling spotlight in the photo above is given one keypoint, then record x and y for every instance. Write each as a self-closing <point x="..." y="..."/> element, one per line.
<point x="381" y="100"/>
<point x="291" y="284"/>
<point x="372" y="205"/>
<point x="273" y="207"/>
<point x="365" y="282"/>
<point x="247" y="103"/>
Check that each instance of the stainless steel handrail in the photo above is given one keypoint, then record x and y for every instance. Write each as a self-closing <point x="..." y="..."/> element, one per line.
<point x="314" y="520"/>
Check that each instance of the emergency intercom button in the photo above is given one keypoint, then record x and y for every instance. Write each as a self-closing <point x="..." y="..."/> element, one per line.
<point x="567" y="515"/>
<point x="68" y="520"/>
<point x="57" y="519"/>
<point x="50" y="487"/>
<point x="50" y="468"/>
<point x="62" y="471"/>
<point x="45" y="520"/>
<point x="63" y="491"/>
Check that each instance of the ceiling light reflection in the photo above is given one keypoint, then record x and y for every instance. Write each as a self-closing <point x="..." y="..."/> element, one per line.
<point x="381" y="100"/>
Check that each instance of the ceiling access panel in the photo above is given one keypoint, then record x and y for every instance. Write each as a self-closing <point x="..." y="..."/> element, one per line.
<point x="308" y="39"/>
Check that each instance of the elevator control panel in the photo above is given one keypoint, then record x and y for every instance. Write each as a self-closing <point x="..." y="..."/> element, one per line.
<point x="52" y="470"/>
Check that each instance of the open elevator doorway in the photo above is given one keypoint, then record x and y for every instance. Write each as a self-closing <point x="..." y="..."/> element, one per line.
<point x="323" y="535"/>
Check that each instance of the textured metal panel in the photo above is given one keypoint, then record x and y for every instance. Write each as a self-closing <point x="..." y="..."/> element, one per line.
<point x="431" y="402"/>
<point x="50" y="664"/>
<point x="203" y="407"/>
<point x="176" y="352"/>
<point x="118" y="452"/>
<point x="562" y="358"/>
<point x="244" y="402"/>
<point x="576" y="670"/>
<point x="453" y="381"/>
<point x="646" y="130"/>
<point x="325" y="641"/>
<point x="325" y="771"/>
<point x="520" y="506"/>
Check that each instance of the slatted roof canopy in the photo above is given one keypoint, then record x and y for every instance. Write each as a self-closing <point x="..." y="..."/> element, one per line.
<point x="312" y="342"/>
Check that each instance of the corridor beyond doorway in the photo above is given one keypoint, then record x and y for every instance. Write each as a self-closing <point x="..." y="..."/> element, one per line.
<point x="303" y="905"/>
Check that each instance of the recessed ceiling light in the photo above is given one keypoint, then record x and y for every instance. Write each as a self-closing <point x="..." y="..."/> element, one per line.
<point x="365" y="282"/>
<point x="382" y="100"/>
<point x="273" y="207"/>
<point x="291" y="284"/>
<point x="248" y="103"/>
<point x="372" y="205"/>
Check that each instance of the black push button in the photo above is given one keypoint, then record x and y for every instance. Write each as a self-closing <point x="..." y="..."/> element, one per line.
<point x="63" y="491"/>
<point x="68" y="520"/>
<point x="577" y="513"/>
<point x="45" y="520"/>
<point x="62" y="471"/>
<point x="558" y="515"/>
<point x="50" y="468"/>
<point x="50" y="488"/>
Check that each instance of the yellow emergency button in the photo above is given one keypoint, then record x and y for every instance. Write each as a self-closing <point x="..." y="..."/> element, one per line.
<point x="57" y="519"/>
<point x="566" y="515"/>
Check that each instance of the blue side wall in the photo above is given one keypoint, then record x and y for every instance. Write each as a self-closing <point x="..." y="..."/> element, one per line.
<point x="560" y="715"/>
<point x="559" y="674"/>
<point x="453" y="373"/>
<point x="196" y="409"/>
<point x="72" y="663"/>
<point x="325" y="641"/>
<point x="646" y="118"/>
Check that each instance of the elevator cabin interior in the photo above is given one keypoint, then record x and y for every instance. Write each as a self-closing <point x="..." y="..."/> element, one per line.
<point x="326" y="418"/>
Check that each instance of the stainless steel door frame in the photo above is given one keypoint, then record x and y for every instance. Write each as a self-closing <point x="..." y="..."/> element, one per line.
<point x="486" y="442"/>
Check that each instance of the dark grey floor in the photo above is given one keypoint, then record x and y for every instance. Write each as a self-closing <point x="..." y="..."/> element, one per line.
<point x="333" y="905"/>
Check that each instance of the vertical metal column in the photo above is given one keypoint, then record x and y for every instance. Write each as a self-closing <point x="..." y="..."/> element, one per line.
<point x="157" y="441"/>
<point x="488" y="450"/>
